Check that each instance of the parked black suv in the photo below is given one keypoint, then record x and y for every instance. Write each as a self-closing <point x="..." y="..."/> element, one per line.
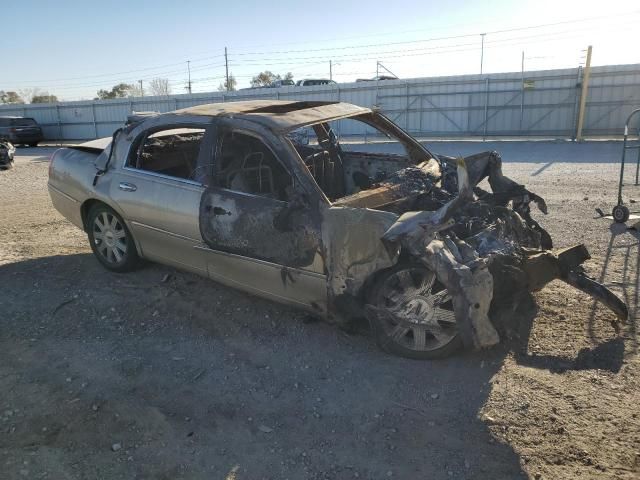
<point x="20" y="130"/>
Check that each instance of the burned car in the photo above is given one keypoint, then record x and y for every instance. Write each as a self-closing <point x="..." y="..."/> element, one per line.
<point x="7" y="152"/>
<point x="409" y="241"/>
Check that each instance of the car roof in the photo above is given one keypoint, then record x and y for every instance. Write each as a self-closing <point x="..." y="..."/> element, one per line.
<point x="280" y="115"/>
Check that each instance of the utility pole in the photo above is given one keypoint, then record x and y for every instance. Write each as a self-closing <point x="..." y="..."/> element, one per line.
<point x="583" y="95"/>
<point x="226" y="67"/>
<point x="189" y="72"/>
<point x="141" y="90"/>
<point x="330" y="71"/>
<point x="522" y="91"/>
<point x="377" y="69"/>
<point x="482" y="51"/>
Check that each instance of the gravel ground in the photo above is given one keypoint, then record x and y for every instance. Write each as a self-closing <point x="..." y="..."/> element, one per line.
<point x="159" y="374"/>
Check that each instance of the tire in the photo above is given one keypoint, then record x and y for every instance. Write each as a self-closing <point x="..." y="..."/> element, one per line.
<point x="33" y="144"/>
<point x="110" y="240"/>
<point x="620" y="213"/>
<point x="413" y="314"/>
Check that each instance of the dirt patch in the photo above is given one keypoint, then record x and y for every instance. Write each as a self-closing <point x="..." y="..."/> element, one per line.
<point x="163" y="375"/>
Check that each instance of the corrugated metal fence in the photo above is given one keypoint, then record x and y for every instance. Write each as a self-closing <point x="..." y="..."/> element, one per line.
<point x="542" y="103"/>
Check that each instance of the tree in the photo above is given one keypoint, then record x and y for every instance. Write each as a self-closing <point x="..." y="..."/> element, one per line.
<point x="135" y="91"/>
<point x="27" y="94"/>
<point x="266" y="78"/>
<point x="10" y="97"/>
<point x="118" y="91"/>
<point x="44" y="98"/>
<point x="160" y="86"/>
<point x="231" y="87"/>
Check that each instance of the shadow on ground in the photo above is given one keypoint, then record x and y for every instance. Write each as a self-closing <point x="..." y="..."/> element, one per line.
<point x="627" y="247"/>
<point x="184" y="377"/>
<point x="161" y="374"/>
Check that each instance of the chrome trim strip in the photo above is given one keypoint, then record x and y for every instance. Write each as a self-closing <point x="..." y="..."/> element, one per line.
<point x="164" y="177"/>
<point x="57" y="190"/>
<point x="261" y="262"/>
<point x="166" y="232"/>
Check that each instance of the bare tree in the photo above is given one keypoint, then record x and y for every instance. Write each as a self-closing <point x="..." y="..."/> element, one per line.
<point x="27" y="94"/>
<point x="135" y="90"/>
<point x="160" y="87"/>
<point x="231" y="87"/>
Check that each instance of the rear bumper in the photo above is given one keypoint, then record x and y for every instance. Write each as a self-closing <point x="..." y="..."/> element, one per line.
<point x="68" y="206"/>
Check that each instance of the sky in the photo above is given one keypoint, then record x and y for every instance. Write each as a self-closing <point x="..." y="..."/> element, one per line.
<point x="72" y="49"/>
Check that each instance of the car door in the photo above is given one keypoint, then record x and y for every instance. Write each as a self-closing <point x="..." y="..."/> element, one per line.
<point x="159" y="187"/>
<point x="262" y="232"/>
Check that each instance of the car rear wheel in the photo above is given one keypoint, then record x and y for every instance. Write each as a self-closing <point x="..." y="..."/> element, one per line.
<point x="110" y="239"/>
<point x="413" y="314"/>
<point x="33" y="144"/>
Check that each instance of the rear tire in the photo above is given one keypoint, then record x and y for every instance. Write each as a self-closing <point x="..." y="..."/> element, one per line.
<point x="34" y="144"/>
<point x="110" y="240"/>
<point x="413" y="315"/>
<point x="620" y="213"/>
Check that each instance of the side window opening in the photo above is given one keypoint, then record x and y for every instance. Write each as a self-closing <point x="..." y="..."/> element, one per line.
<point x="173" y="152"/>
<point x="248" y="165"/>
<point x="353" y="154"/>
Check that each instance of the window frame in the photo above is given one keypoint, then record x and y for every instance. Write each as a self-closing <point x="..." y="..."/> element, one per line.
<point x="231" y="129"/>
<point x="205" y="146"/>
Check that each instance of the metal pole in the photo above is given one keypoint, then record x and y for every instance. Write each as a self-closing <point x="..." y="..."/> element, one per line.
<point x="59" y="122"/>
<point x="576" y="99"/>
<point x="226" y="67"/>
<point x="637" y="166"/>
<point x="330" y="71"/>
<point x="624" y="151"/>
<point x="189" y="72"/>
<point x="406" y="118"/>
<point x="486" y="108"/>
<point x="93" y="115"/>
<point x="141" y="90"/>
<point x="421" y="108"/>
<point x="583" y="97"/>
<point x="522" y="92"/>
<point x="482" y="51"/>
<point x="377" y="71"/>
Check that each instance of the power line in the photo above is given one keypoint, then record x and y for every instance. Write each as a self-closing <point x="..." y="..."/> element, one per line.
<point x="246" y="60"/>
<point x="493" y="32"/>
<point x="474" y="34"/>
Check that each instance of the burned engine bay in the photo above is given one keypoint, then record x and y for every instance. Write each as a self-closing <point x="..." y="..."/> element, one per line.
<point x="484" y="246"/>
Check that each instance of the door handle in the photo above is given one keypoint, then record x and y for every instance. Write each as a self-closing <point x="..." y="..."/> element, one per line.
<point x="217" y="210"/>
<point x="127" y="187"/>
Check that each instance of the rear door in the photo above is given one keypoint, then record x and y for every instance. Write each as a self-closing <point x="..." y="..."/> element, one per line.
<point x="159" y="188"/>
<point x="262" y="231"/>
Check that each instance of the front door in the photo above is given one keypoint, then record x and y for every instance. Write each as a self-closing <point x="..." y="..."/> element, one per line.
<point x="262" y="233"/>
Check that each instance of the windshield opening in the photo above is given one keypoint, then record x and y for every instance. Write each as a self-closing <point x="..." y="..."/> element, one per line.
<point x="358" y="153"/>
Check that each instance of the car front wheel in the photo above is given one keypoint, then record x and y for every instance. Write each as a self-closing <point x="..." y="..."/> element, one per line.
<point x="110" y="239"/>
<point x="411" y="314"/>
